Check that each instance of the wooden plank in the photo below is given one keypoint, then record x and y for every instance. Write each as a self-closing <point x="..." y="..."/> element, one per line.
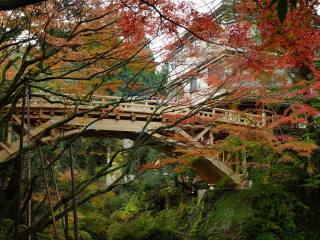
<point x="188" y="137"/>
<point x="6" y="148"/>
<point x="202" y="133"/>
<point x="14" y="148"/>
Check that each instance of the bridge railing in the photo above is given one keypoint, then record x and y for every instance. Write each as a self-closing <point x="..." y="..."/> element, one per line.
<point x="149" y="107"/>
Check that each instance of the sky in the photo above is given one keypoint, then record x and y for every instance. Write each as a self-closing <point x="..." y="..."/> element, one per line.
<point x="205" y="5"/>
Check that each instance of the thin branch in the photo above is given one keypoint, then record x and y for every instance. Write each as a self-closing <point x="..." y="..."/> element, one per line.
<point x="74" y="195"/>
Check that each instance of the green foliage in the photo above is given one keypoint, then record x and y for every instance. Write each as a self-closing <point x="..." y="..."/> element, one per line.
<point x="313" y="182"/>
<point x="150" y="180"/>
<point x="229" y="214"/>
<point x="154" y="206"/>
<point x="129" y="211"/>
<point x="85" y="235"/>
<point x="118" y="231"/>
<point x="162" y="226"/>
<point x="147" y="82"/>
<point x="151" y="155"/>
<point x="220" y="216"/>
<point x="4" y="226"/>
<point x="118" y="201"/>
<point x="196" y="218"/>
<point x="274" y="213"/>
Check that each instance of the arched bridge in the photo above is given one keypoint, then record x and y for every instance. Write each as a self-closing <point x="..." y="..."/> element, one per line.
<point x="52" y="117"/>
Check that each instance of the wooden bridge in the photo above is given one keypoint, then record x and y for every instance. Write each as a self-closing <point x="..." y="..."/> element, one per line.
<point x="53" y="117"/>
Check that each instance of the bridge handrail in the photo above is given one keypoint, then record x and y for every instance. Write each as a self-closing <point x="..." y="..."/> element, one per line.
<point x="150" y="106"/>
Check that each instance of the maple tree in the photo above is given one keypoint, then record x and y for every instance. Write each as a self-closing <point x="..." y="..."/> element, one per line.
<point x="271" y="62"/>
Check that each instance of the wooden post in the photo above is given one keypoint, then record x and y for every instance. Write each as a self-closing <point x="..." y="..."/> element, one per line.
<point x="211" y="138"/>
<point x="264" y="119"/>
<point x="245" y="165"/>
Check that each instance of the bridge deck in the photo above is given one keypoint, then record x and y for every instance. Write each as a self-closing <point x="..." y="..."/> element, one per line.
<point x="106" y="115"/>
